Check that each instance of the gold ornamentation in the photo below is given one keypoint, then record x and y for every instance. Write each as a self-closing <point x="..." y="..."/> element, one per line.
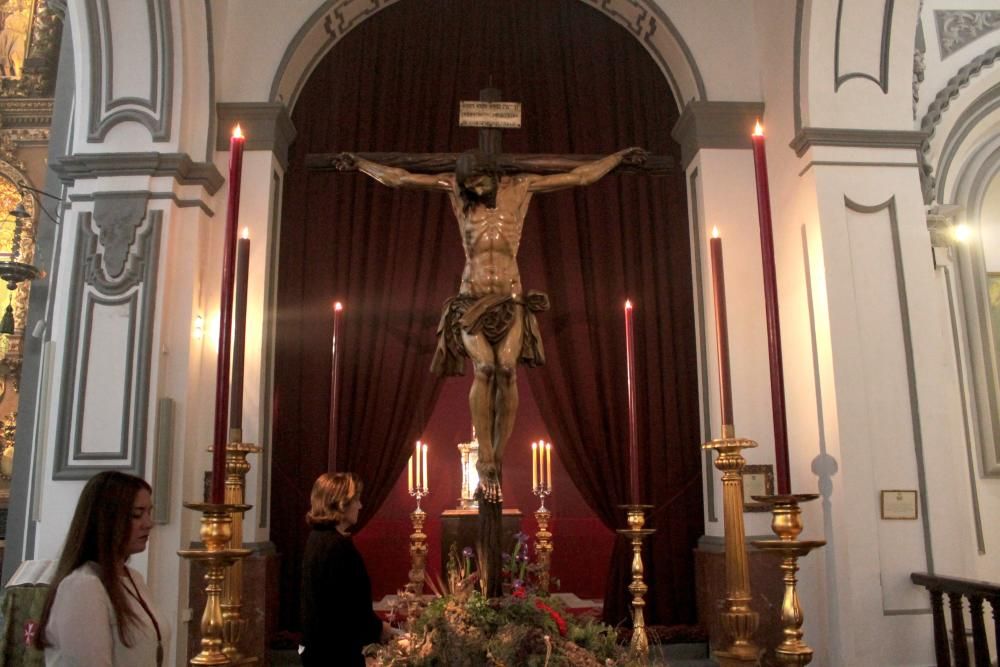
<point x="418" y="551"/>
<point x="786" y="522"/>
<point x="739" y="620"/>
<point x="639" y="646"/>
<point x="233" y="624"/>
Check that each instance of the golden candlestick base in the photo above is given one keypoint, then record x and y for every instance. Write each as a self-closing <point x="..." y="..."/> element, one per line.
<point x="786" y="522"/>
<point x="543" y="548"/>
<point x="216" y="533"/>
<point x="233" y="623"/>
<point x="639" y="646"/>
<point x="739" y="620"/>
<point x="418" y="551"/>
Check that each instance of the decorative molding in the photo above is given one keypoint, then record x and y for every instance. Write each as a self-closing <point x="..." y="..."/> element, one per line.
<point x="882" y="80"/>
<point x="113" y="267"/>
<point x="919" y="61"/>
<point x="107" y="109"/>
<point x="185" y="171"/>
<point x="972" y="117"/>
<point x="266" y="125"/>
<point x="797" y="66"/>
<point x="937" y="109"/>
<point x="911" y="377"/>
<point x="715" y="125"/>
<point x="21" y="112"/>
<point x="171" y="196"/>
<point x="21" y="138"/>
<point x="959" y="28"/>
<point x="647" y="22"/>
<point x="162" y="459"/>
<point x="854" y="138"/>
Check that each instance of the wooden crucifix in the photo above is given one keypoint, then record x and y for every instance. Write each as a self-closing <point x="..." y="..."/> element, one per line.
<point x="492" y="319"/>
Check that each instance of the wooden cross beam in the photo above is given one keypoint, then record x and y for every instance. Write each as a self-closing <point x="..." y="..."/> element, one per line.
<point x="490" y="144"/>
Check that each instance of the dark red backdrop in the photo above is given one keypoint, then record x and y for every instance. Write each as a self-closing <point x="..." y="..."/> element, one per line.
<point x="587" y="86"/>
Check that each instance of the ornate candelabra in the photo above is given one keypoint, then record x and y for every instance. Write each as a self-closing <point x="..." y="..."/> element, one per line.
<point x="636" y="534"/>
<point x="786" y="522"/>
<point x="543" y="538"/>
<point x="216" y="535"/>
<point x="418" y="544"/>
<point x="739" y="620"/>
<point x="233" y="624"/>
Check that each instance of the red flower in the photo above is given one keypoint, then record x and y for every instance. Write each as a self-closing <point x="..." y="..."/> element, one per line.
<point x="519" y="592"/>
<point x="559" y="620"/>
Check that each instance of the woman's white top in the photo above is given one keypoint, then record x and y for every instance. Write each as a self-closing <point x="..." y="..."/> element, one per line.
<point x="83" y="631"/>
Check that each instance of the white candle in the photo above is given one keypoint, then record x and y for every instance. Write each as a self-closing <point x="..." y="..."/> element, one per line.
<point x="534" y="465"/>
<point x="416" y="463"/>
<point x="409" y="475"/>
<point x="424" y="479"/>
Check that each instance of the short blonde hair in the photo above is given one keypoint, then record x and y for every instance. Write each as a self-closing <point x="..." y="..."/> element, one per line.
<point x="331" y="494"/>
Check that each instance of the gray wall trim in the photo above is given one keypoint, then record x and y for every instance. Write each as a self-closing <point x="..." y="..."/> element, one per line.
<point x="797" y="65"/>
<point x="20" y="538"/>
<point x="906" y="612"/>
<point x="715" y="125"/>
<point x="268" y="342"/>
<point x="911" y="375"/>
<point x="697" y="239"/>
<point x="107" y="110"/>
<point x="882" y="81"/>
<point x="71" y="168"/>
<point x="92" y="284"/>
<point x="977" y="516"/>
<point x="957" y="29"/>
<point x="163" y="458"/>
<point x="87" y="325"/>
<point x="266" y="125"/>
<point x="937" y="109"/>
<point x="170" y="196"/>
<point x="210" y="45"/>
<point x="845" y="163"/>
<point x="337" y="22"/>
<point x="854" y="138"/>
<point x="968" y="120"/>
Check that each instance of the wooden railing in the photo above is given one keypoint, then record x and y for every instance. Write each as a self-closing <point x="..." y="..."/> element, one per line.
<point x="957" y="589"/>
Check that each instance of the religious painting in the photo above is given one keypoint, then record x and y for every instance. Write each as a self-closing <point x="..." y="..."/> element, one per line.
<point x="16" y="17"/>
<point x="993" y="286"/>
<point x="758" y="480"/>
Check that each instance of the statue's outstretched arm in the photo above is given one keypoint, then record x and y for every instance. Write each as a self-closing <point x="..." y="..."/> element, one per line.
<point x="588" y="173"/>
<point x="394" y="177"/>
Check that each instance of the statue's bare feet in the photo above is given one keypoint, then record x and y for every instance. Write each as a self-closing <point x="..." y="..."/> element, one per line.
<point x="489" y="483"/>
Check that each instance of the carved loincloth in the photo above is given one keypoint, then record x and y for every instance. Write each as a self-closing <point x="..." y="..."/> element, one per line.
<point x="492" y="316"/>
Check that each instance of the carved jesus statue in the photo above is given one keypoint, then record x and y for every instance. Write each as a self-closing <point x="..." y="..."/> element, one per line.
<point x="492" y="319"/>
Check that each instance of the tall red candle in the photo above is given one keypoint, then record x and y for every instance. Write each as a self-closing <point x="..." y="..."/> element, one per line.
<point x="633" y="439"/>
<point x="239" y="334"/>
<point x="721" y="333"/>
<point x="225" y="319"/>
<point x="338" y="308"/>
<point x="771" y="314"/>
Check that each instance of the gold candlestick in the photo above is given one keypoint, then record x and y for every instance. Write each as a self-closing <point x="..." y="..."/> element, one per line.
<point x="543" y="538"/>
<point x="739" y="620"/>
<point x="216" y="533"/>
<point x="786" y="522"/>
<point x="233" y="624"/>
<point x="639" y="646"/>
<point x="418" y="546"/>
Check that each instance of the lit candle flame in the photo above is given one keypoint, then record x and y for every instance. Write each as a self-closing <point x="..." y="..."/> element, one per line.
<point x="715" y="232"/>
<point x="338" y="306"/>
<point x="237" y="132"/>
<point x="758" y="130"/>
<point x="246" y="232"/>
<point x="628" y="305"/>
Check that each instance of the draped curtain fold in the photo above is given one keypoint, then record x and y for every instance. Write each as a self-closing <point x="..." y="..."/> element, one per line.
<point x="393" y="83"/>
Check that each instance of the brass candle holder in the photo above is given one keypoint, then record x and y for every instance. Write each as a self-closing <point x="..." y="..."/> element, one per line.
<point x="543" y="538"/>
<point x="216" y="535"/>
<point x="418" y="545"/>
<point x="739" y="620"/>
<point x="786" y="522"/>
<point x="233" y="623"/>
<point x="639" y="647"/>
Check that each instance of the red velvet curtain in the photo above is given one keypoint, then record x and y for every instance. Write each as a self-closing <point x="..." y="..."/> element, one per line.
<point x="587" y="86"/>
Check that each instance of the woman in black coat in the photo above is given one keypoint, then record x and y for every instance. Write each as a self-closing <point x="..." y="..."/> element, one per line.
<point x="337" y="615"/>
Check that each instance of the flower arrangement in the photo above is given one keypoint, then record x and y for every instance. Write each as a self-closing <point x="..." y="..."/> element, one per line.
<point x="462" y="627"/>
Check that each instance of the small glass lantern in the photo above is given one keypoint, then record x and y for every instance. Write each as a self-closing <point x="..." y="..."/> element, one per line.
<point x="470" y="476"/>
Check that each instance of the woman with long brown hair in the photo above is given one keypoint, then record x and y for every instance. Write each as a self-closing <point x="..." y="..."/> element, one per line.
<point x="337" y="615"/>
<point x="99" y="611"/>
